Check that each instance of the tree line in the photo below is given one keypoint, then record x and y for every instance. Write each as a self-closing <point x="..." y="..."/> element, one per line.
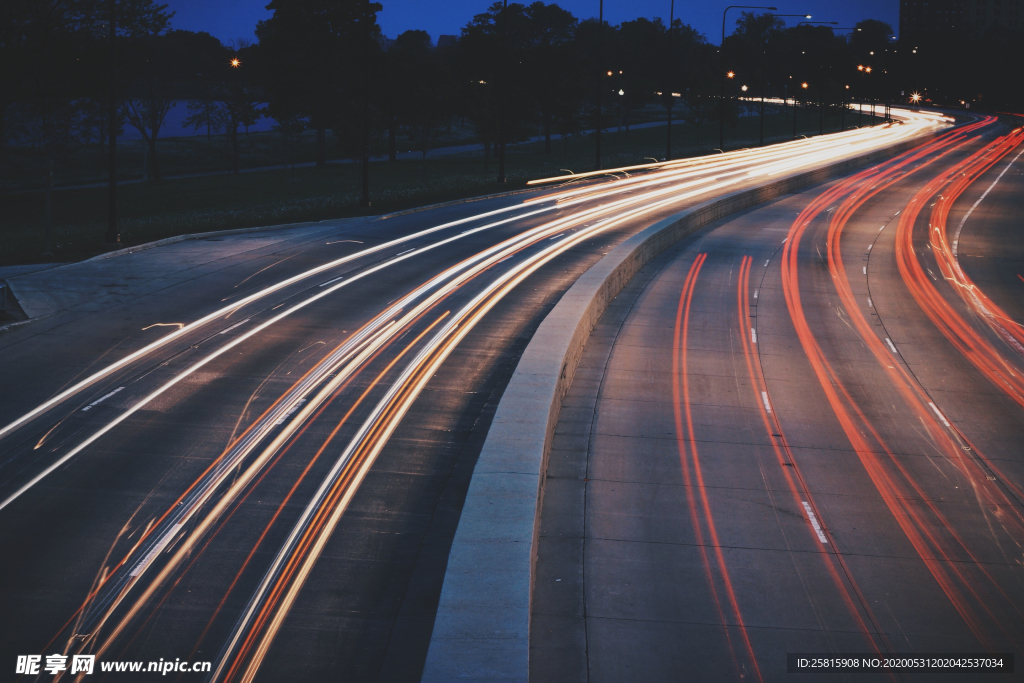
<point x="525" y="69"/>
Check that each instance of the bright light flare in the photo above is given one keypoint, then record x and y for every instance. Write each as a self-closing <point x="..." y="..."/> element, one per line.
<point x="236" y="62"/>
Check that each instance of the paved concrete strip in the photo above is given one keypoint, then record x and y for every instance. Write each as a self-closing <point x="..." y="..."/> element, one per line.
<point x="481" y="631"/>
<point x="39" y="294"/>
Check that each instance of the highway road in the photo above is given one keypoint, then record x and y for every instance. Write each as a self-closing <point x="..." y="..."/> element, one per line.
<point x="799" y="431"/>
<point x="262" y="466"/>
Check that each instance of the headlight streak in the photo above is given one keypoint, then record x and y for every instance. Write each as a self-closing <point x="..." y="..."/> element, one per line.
<point x="174" y="520"/>
<point x="916" y="117"/>
<point x="185" y="329"/>
<point x="807" y="159"/>
<point x="368" y="442"/>
<point x="375" y="336"/>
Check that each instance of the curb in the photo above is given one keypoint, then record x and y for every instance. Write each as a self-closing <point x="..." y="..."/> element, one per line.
<point x="124" y="251"/>
<point x="482" y="628"/>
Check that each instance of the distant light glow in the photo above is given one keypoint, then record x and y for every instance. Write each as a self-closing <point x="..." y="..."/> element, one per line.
<point x="236" y="62"/>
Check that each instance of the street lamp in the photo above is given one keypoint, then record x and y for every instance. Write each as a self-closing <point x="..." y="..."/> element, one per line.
<point x="501" y="107"/>
<point x="668" y="134"/>
<point x="236" y="62"/>
<point x="364" y="200"/>
<point x="721" y="120"/>
<point x="113" y="237"/>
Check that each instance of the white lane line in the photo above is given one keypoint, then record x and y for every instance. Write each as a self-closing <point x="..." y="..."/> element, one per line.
<point x="405" y="252"/>
<point x="755" y="293"/>
<point x="101" y="399"/>
<point x="865" y="270"/>
<point x="870" y="305"/>
<point x="869" y="246"/>
<point x="280" y="420"/>
<point x="340" y="277"/>
<point x="767" y="262"/>
<point x="814" y="522"/>
<point x="155" y="550"/>
<point x="238" y="324"/>
<point x="881" y="228"/>
<point x="340" y="241"/>
<point x="941" y="417"/>
<point x="556" y="236"/>
<point x="956" y="235"/>
<point x="753" y="335"/>
<point x="767" y="405"/>
<point x="891" y="346"/>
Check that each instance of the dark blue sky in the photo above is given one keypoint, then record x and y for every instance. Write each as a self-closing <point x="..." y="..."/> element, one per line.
<point x="230" y="20"/>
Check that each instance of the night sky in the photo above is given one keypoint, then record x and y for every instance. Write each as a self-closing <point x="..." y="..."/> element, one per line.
<point x="231" y="20"/>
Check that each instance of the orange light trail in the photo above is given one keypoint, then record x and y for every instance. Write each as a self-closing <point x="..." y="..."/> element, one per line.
<point x="917" y="530"/>
<point x="693" y="477"/>
<point x="792" y="474"/>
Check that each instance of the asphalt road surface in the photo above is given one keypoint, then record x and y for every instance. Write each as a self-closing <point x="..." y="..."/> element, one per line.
<point x="800" y="431"/>
<point x="262" y="466"/>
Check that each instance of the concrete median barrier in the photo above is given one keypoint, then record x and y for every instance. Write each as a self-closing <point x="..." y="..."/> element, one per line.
<point x="482" y="628"/>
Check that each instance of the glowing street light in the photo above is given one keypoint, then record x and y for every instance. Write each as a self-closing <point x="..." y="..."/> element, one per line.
<point x="743" y="88"/>
<point x="804" y="85"/>
<point x="236" y="62"/>
<point x="915" y="98"/>
<point x="731" y="74"/>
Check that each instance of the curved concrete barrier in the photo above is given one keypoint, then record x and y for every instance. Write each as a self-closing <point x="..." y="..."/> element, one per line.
<point x="482" y="628"/>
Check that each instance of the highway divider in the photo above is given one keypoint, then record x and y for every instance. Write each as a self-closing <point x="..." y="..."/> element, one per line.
<point x="482" y="628"/>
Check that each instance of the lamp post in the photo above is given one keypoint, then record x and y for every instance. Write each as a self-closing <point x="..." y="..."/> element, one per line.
<point x="501" y="105"/>
<point x="668" y="138"/>
<point x="364" y="200"/>
<point x="113" y="237"/>
<point x="803" y="85"/>
<point x="721" y="49"/>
